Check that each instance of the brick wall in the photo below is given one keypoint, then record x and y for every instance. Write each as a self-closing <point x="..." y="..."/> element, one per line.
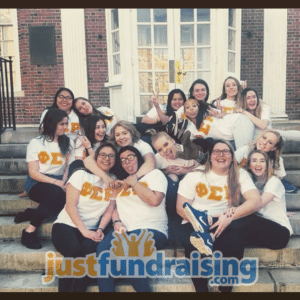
<point x="96" y="49"/>
<point x="293" y="64"/>
<point x="252" y="48"/>
<point x="39" y="82"/>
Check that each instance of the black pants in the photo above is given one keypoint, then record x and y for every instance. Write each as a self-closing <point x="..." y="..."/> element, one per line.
<point x="52" y="199"/>
<point x="265" y="233"/>
<point x="230" y="243"/>
<point x="71" y="243"/>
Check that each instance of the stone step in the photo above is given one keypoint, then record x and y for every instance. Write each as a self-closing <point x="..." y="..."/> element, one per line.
<point x="13" y="166"/>
<point x="13" y="150"/>
<point x="10" y="204"/>
<point x="286" y="125"/>
<point x="291" y="147"/>
<point x="20" y="136"/>
<point x="293" y="176"/>
<point x="291" y="161"/>
<point x="269" y="280"/>
<point x="9" y="230"/>
<point x="12" y="183"/>
<point x="14" y="257"/>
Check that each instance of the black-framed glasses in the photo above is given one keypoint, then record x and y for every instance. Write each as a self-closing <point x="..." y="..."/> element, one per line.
<point x="130" y="157"/>
<point x="62" y="97"/>
<point x="104" y="155"/>
<point x="224" y="152"/>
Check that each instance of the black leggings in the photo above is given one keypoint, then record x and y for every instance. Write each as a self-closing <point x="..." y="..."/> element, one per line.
<point x="52" y="199"/>
<point x="265" y="233"/>
<point x="231" y="243"/>
<point x="71" y="243"/>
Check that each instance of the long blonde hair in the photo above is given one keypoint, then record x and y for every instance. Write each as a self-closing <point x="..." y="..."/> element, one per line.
<point x="260" y="103"/>
<point x="234" y="187"/>
<point x="238" y="97"/>
<point x="275" y="154"/>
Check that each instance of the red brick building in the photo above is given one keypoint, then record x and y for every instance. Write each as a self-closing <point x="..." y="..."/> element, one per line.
<point x="117" y="57"/>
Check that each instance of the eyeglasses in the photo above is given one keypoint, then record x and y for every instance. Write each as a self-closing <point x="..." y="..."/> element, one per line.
<point x="130" y="157"/>
<point x="224" y="152"/>
<point x="103" y="155"/>
<point x="62" y="97"/>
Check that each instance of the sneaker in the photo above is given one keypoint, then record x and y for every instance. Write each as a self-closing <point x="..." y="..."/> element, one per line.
<point x="202" y="241"/>
<point x="289" y="188"/>
<point x="22" y="216"/>
<point x="198" y="218"/>
<point x="30" y="240"/>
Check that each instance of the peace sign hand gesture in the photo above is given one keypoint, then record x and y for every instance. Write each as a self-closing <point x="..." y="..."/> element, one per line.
<point x="154" y="100"/>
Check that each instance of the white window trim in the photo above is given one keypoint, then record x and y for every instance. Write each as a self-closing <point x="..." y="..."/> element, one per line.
<point x="17" y="88"/>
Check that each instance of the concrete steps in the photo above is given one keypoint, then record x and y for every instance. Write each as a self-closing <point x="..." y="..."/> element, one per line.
<point x="269" y="280"/>
<point x="13" y="166"/>
<point x="12" y="183"/>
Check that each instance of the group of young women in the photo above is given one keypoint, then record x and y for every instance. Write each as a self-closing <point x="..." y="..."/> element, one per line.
<point x="98" y="175"/>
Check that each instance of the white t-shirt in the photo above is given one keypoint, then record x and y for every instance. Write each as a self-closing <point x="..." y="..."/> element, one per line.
<point x="163" y="163"/>
<point x="228" y="106"/>
<point x="93" y="200"/>
<point x="143" y="147"/>
<point x="275" y="210"/>
<point x="136" y="214"/>
<point x="213" y="127"/>
<point x="73" y="125"/>
<point x="49" y="156"/>
<point x="241" y="156"/>
<point x="109" y="113"/>
<point x="152" y="113"/>
<point x="266" y="114"/>
<point x="80" y="150"/>
<point x="180" y="113"/>
<point x="210" y="191"/>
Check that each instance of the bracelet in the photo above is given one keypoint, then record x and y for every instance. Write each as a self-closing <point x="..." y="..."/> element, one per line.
<point x="134" y="184"/>
<point x="101" y="228"/>
<point x="115" y="221"/>
<point x="54" y="181"/>
<point x="88" y="148"/>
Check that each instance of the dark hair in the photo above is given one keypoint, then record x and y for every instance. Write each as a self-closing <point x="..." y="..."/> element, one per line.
<point x="200" y="81"/>
<point x="95" y="111"/>
<point x="54" y="104"/>
<point x="116" y="169"/>
<point x="202" y="111"/>
<point x="139" y="156"/>
<point x="170" y="109"/>
<point x="89" y="127"/>
<point x="48" y="129"/>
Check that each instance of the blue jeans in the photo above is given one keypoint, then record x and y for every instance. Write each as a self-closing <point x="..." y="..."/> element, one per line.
<point x="139" y="284"/>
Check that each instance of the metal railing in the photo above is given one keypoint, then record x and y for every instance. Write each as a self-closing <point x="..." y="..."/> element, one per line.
<point x="7" y="105"/>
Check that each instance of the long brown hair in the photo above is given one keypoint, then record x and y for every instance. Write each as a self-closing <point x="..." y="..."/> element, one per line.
<point x="261" y="182"/>
<point x="233" y="184"/>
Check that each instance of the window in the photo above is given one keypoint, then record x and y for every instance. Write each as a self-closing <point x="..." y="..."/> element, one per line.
<point x="195" y="44"/>
<point x="115" y="38"/>
<point x="7" y="48"/>
<point x="231" y="39"/>
<point x="9" y="44"/>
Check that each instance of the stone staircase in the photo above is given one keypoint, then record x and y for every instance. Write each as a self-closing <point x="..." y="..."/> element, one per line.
<point x="21" y="268"/>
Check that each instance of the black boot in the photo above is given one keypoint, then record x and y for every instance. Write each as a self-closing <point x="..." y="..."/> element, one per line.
<point x="23" y="216"/>
<point x="30" y="240"/>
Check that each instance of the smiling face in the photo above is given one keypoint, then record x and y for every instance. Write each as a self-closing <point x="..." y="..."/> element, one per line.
<point x="61" y="127"/>
<point x="176" y="101"/>
<point x="106" y="159"/>
<point x="221" y="158"/>
<point x="100" y="131"/>
<point x="84" y="107"/>
<point x="199" y="92"/>
<point x="251" y="101"/>
<point x="258" y="164"/>
<point x="122" y="136"/>
<point x="129" y="162"/>
<point x="231" y="88"/>
<point x="267" y="142"/>
<point x="191" y="109"/>
<point x="165" y="147"/>
<point x="64" y="101"/>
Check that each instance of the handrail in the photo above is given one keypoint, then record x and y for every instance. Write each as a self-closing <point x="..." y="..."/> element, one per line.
<point x="7" y="105"/>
